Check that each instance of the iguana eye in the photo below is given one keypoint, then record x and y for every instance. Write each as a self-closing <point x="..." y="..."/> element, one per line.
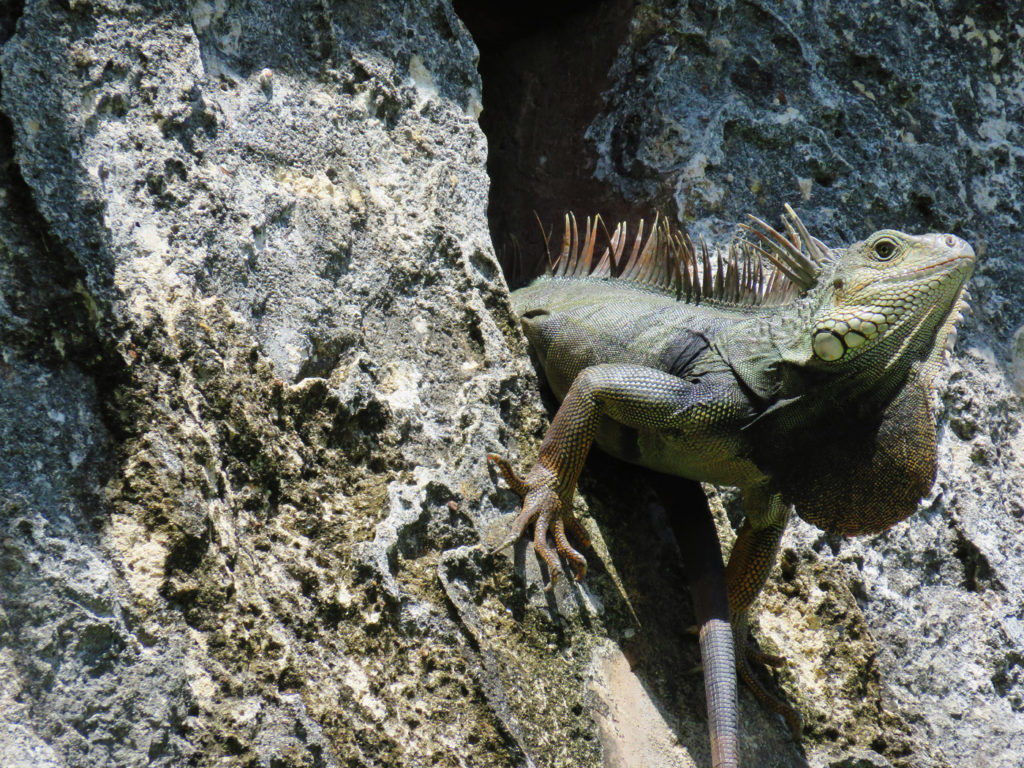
<point x="884" y="249"/>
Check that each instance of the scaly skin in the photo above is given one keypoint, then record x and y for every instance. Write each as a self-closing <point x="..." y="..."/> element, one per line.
<point x="819" y="403"/>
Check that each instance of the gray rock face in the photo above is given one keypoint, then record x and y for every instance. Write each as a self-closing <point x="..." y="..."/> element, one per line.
<point x="244" y="260"/>
<point x="256" y="345"/>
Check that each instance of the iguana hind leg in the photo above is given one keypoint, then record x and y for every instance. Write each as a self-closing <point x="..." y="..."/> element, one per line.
<point x="751" y="561"/>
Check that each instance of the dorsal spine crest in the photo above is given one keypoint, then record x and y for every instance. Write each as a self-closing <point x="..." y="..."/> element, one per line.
<point x="670" y="262"/>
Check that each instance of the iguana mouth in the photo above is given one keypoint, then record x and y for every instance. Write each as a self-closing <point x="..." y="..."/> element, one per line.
<point x="929" y="269"/>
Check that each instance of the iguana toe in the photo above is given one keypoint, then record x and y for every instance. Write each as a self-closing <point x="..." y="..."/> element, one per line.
<point x="575" y="528"/>
<point x="543" y="508"/>
<point x="758" y="656"/>
<point x="565" y="549"/>
<point x="746" y="658"/>
<point x="515" y="482"/>
<point x="546" y="505"/>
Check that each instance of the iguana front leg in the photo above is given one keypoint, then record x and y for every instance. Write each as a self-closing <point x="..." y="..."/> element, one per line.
<point x="633" y="395"/>
<point x="751" y="561"/>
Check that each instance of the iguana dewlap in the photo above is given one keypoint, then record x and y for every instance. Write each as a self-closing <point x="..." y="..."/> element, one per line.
<point x="798" y="373"/>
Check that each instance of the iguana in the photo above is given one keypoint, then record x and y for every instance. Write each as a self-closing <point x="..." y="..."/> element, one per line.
<point x="798" y="373"/>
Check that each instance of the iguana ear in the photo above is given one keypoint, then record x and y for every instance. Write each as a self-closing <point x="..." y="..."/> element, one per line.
<point x="860" y="477"/>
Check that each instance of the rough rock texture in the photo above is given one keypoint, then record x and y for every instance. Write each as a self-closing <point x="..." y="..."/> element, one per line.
<point x="255" y="345"/>
<point x="251" y="369"/>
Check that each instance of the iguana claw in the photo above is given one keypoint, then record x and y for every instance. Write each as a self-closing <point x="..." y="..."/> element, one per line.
<point x="545" y="510"/>
<point x="747" y="656"/>
<point x="757" y="656"/>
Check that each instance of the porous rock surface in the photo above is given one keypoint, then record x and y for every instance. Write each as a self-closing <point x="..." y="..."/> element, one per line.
<point x="252" y="364"/>
<point x="255" y="346"/>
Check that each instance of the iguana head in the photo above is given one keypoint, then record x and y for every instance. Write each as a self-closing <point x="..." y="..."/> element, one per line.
<point x="872" y="311"/>
<point x="851" y="443"/>
<point x="892" y="299"/>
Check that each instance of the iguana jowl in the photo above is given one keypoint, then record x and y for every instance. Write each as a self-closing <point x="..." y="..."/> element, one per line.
<point x="798" y="373"/>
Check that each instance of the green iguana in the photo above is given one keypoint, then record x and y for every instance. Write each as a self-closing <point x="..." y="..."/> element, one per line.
<point x="798" y="373"/>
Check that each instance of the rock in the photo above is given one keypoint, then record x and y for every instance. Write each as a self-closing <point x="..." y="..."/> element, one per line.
<point x="1017" y="361"/>
<point x="256" y="344"/>
<point x="241" y="310"/>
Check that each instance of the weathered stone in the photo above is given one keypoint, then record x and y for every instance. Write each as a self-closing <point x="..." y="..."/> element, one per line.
<point x="261" y="233"/>
<point x="256" y="345"/>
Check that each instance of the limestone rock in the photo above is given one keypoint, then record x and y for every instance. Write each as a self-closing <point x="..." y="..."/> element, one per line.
<point x="256" y="344"/>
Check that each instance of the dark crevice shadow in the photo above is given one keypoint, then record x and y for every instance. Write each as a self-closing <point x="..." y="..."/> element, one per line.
<point x="544" y="68"/>
<point x="662" y="653"/>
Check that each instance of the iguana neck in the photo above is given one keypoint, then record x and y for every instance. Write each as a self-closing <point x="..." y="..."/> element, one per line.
<point x="772" y="358"/>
